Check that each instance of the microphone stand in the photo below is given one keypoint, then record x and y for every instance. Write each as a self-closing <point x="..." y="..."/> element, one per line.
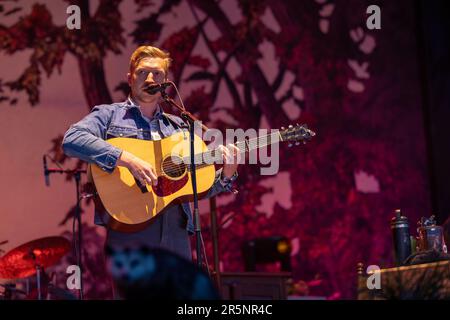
<point x="191" y="119"/>
<point x="77" y="175"/>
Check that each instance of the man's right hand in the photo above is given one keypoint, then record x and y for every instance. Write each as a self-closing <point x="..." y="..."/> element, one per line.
<point x="140" y="169"/>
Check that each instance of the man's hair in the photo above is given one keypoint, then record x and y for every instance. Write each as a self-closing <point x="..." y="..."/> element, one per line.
<point x="149" y="52"/>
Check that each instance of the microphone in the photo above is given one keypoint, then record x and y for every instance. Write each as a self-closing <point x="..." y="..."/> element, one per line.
<point x="155" y="88"/>
<point x="46" y="174"/>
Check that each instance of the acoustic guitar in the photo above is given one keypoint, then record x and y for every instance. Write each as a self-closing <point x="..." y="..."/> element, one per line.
<point x="130" y="206"/>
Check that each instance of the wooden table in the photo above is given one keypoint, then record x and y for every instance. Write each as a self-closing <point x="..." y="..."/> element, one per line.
<point x="419" y="282"/>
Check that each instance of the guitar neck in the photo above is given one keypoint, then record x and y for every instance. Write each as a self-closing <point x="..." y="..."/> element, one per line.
<point x="245" y="146"/>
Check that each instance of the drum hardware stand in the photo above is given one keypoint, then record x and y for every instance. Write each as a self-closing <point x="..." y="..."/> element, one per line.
<point x="9" y="289"/>
<point x="77" y="175"/>
<point x="32" y="259"/>
<point x="27" y="286"/>
<point x="38" y="275"/>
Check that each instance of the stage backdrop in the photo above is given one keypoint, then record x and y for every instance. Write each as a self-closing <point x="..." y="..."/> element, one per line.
<point x="239" y="64"/>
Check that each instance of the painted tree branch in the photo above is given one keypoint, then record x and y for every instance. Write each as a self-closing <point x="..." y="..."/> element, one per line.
<point x="221" y="65"/>
<point x="268" y="103"/>
<point x="99" y="34"/>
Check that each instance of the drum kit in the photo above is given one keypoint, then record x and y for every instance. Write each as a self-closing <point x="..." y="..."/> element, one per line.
<point x="27" y="263"/>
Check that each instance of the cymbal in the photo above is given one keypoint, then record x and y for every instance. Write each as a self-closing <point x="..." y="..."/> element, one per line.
<point x="21" y="262"/>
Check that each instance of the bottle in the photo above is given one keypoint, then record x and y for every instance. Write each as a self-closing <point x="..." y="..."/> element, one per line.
<point x="430" y="235"/>
<point x="401" y="238"/>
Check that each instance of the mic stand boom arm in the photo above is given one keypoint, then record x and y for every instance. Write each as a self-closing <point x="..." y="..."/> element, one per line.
<point x="184" y="113"/>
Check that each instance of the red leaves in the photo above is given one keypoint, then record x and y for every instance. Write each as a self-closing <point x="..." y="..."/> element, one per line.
<point x="27" y="31"/>
<point x="142" y="4"/>
<point x="56" y="150"/>
<point x="199" y="61"/>
<point x="223" y="43"/>
<point x="199" y="102"/>
<point x="252" y="9"/>
<point x="49" y="43"/>
<point x="106" y="26"/>
<point x="28" y="81"/>
<point x="98" y="34"/>
<point x="180" y="45"/>
<point x="51" y="54"/>
<point x="35" y="31"/>
<point x="148" y="30"/>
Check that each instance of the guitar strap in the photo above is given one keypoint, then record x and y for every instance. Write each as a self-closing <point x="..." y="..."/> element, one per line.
<point x="175" y="120"/>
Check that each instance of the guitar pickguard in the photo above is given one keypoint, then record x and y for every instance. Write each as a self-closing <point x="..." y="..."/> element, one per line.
<point x="167" y="186"/>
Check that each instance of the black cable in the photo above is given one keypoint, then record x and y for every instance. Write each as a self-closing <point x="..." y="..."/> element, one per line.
<point x="204" y="255"/>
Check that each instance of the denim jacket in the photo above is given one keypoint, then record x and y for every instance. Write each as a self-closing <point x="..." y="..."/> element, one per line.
<point x="86" y="140"/>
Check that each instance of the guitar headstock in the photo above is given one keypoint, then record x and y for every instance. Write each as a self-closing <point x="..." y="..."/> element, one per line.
<point x="297" y="134"/>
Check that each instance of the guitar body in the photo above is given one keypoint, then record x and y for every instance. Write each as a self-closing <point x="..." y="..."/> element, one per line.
<point x="130" y="207"/>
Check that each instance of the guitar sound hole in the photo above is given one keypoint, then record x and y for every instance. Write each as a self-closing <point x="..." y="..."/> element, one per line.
<point x="173" y="167"/>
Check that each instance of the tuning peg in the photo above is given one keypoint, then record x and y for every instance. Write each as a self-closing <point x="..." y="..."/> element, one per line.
<point x="297" y="143"/>
<point x="290" y="126"/>
<point x="290" y="145"/>
<point x="282" y="128"/>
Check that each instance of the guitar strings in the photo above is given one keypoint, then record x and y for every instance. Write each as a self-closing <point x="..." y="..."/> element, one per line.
<point x="169" y="169"/>
<point x="248" y="145"/>
<point x="198" y="158"/>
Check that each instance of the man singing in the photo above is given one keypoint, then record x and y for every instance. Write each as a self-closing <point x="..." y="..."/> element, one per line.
<point x="142" y="117"/>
